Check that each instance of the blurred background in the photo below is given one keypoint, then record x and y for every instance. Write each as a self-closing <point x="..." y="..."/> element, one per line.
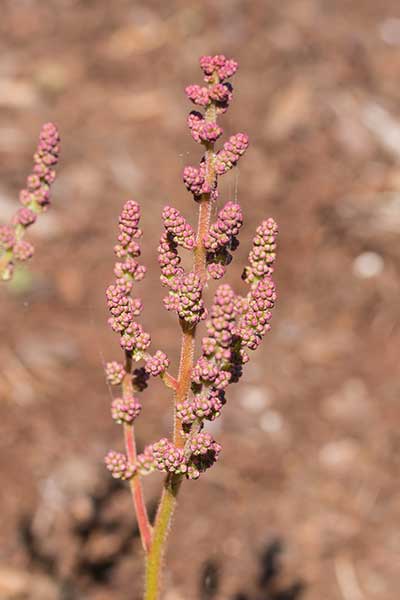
<point x="304" y="503"/>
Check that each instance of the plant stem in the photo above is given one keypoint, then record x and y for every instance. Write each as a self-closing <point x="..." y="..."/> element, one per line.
<point x="135" y="483"/>
<point x="155" y="556"/>
<point x="137" y="491"/>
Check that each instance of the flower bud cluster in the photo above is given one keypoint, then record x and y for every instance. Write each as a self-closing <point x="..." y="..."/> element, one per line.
<point x="195" y="180"/>
<point x="202" y="406"/>
<point x="125" y="410"/>
<point x="235" y="324"/>
<point x="200" y="453"/>
<point x="202" y="130"/>
<point x="156" y="364"/>
<point x="35" y="199"/>
<point x="168" y="458"/>
<point x="254" y="322"/>
<point x="169" y="260"/>
<point x="263" y="253"/>
<point x="219" y="65"/>
<point x="232" y="150"/>
<point x="133" y="339"/>
<point x="215" y="99"/>
<point x="119" y="466"/>
<point x="185" y="298"/>
<point x="178" y="229"/>
<point x="122" y="306"/>
<point x="185" y="289"/>
<point x="115" y="372"/>
<point x="221" y="238"/>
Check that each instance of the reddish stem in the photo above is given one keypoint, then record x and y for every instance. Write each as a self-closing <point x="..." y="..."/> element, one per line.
<point x="169" y="380"/>
<point x="135" y="483"/>
<point x="137" y="491"/>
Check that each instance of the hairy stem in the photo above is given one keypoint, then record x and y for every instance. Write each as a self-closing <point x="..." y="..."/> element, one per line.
<point x="135" y="483"/>
<point x="154" y="558"/>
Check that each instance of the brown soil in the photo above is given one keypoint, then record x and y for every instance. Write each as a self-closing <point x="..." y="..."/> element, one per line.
<point x="304" y="502"/>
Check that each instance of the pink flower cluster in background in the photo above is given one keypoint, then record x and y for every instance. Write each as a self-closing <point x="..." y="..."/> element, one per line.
<point x="35" y="199"/>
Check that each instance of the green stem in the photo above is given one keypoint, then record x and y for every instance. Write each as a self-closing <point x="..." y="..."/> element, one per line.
<point x="154" y="558"/>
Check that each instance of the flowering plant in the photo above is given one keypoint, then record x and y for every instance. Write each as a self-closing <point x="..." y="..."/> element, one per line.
<point x="234" y="324"/>
<point x="35" y="199"/>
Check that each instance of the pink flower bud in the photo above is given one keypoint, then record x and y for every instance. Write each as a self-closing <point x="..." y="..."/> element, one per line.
<point x="115" y="372"/>
<point x="178" y="228"/>
<point x="157" y="364"/>
<point x="197" y="94"/>
<point x="119" y="466"/>
<point x="125" y="410"/>
<point x="23" y="250"/>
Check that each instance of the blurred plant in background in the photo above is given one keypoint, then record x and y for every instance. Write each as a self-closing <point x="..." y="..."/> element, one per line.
<point x="35" y="199"/>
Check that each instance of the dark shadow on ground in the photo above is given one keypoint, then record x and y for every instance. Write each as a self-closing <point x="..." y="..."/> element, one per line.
<point x="268" y="586"/>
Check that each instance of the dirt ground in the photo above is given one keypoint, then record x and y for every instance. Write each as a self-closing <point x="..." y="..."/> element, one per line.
<point x="304" y="503"/>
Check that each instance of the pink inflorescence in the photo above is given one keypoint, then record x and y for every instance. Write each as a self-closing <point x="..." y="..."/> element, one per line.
<point x="195" y="180"/>
<point x="186" y="298"/>
<point x="119" y="466"/>
<point x="115" y="372"/>
<point x="178" y="229"/>
<point x="232" y="150"/>
<point x="234" y="324"/>
<point x="125" y="410"/>
<point x="35" y="199"/>
<point x="168" y="458"/>
<point x="263" y="253"/>
<point x="217" y="95"/>
<point x="218" y="65"/>
<point x="200" y="453"/>
<point x="221" y="238"/>
<point x="157" y="364"/>
<point x="134" y="339"/>
<point x="254" y="322"/>
<point x="202" y="130"/>
<point x="122" y="306"/>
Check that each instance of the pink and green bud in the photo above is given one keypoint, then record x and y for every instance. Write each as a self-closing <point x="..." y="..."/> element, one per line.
<point x="125" y="410"/>
<point x="218" y="65"/>
<point x="24" y="217"/>
<point x="197" y="94"/>
<point x="186" y="299"/>
<point x="119" y="466"/>
<point x="178" y="228"/>
<point x="115" y="372"/>
<point x="168" y="458"/>
<point x="263" y="253"/>
<point x="255" y="322"/>
<point x="23" y="250"/>
<point x="157" y="364"/>
<point x="232" y="150"/>
<point x="7" y="237"/>
<point x="195" y="181"/>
